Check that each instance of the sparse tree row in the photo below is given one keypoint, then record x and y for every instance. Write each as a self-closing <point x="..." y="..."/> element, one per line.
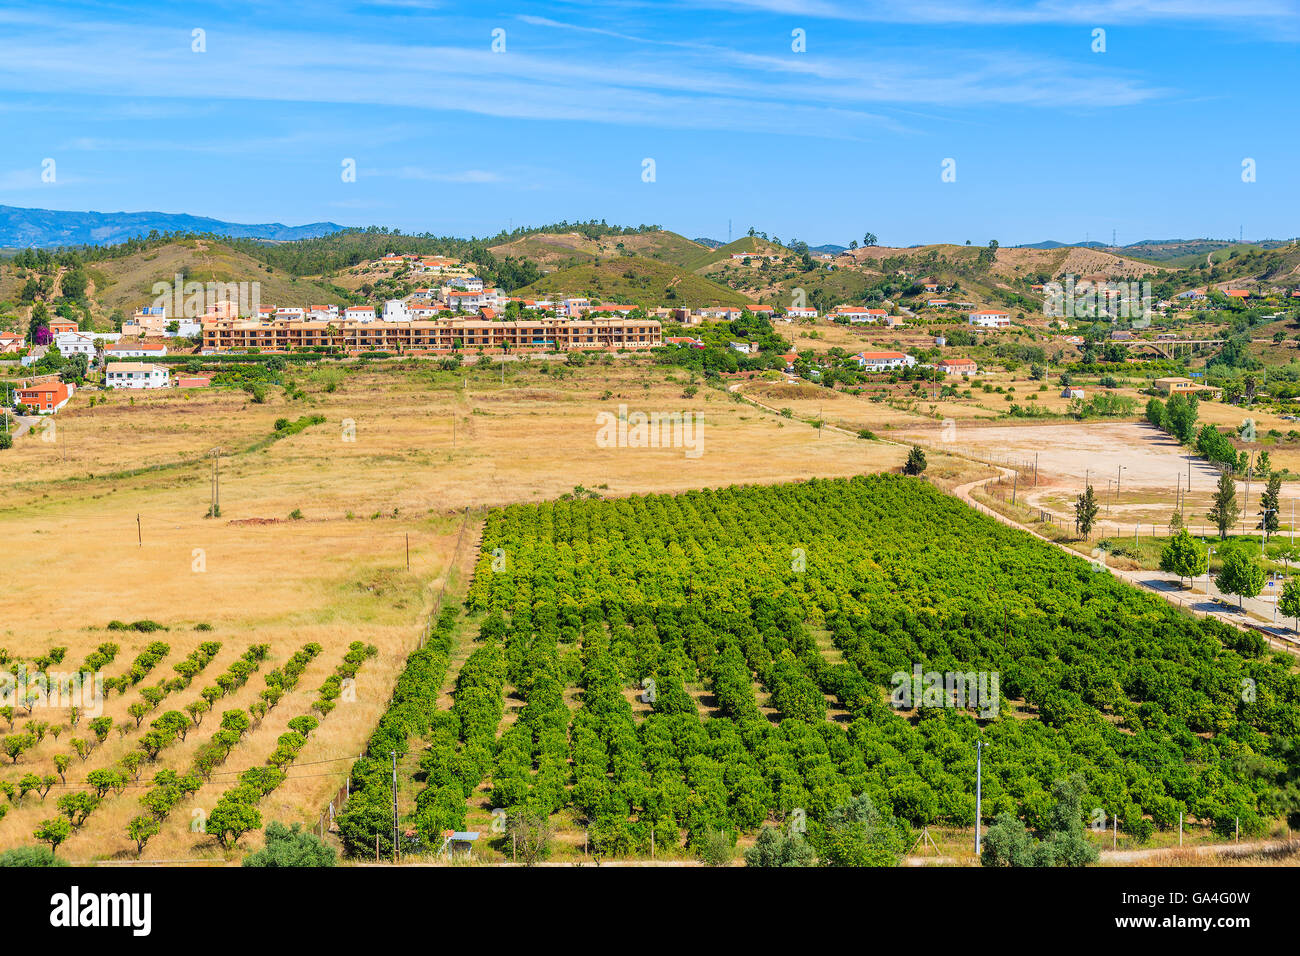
<point x="236" y="811"/>
<point x="1158" y="711"/>
<point x="75" y="806"/>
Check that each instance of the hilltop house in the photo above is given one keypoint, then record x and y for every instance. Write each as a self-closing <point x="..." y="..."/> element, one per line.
<point x="957" y="366"/>
<point x="883" y="361"/>
<point x="857" y="313"/>
<point x="990" y="318"/>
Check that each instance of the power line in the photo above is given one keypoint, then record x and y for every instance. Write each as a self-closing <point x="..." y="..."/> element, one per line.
<point x="217" y="773"/>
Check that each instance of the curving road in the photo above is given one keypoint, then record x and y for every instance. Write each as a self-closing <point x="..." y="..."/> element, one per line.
<point x="1167" y="585"/>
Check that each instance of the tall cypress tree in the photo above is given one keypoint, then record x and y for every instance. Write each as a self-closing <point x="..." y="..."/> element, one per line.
<point x="1085" y="512"/>
<point x="1225" y="511"/>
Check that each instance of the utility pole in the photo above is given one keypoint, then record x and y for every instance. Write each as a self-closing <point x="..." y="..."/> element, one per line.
<point x="215" y="508"/>
<point x="1245" y="501"/>
<point x="408" y="550"/>
<point x="979" y="749"/>
<point x="394" y="753"/>
<point x="139" y="537"/>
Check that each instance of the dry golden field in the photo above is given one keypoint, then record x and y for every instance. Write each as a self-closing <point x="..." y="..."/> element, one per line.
<point x="427" y="446"/>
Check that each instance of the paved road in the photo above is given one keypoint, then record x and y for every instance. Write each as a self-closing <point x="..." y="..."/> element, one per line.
<point x="25" y="423"/>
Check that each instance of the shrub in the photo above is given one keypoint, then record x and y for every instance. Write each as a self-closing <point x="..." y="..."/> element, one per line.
<point x="775" y="848"/>
<point x="291" y="846"/>
<point x="31" y="856"/>
<point x="718" y="848"/>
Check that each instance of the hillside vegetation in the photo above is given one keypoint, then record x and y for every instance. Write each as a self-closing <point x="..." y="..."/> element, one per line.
<point x="634" y="281"/>
<point x="552" y="249"/>
<point x="127" y="283"/>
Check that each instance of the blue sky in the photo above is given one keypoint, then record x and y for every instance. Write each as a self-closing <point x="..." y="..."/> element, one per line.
<point x="1051" y="140"/>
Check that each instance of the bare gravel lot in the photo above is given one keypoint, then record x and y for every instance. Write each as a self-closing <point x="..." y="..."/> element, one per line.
<point x="1070" y="453"/>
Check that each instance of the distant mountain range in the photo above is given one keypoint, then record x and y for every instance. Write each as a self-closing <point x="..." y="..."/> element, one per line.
<point x="1053" y="244"/>
<point x="20" y="228"/>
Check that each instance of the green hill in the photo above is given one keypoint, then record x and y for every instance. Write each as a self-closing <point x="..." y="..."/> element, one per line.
<point x="743" y="244"/>
<point x="560" y="250"/>
<point x="127" y="283"/>
<point x="121" y="279"/>
<point x="634" y="280"/>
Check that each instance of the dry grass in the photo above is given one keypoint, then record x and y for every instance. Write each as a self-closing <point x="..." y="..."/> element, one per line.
<point x="68" y="520"/>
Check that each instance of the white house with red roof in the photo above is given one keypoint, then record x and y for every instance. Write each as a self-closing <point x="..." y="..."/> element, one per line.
<point x="857" y="313"/>
<point x="136" y="350"/>
<point x="883" y="361"/>
<point x="990" y="319"/>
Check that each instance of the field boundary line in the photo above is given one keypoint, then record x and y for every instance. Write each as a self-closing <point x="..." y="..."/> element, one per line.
<point x="340" y="799"/>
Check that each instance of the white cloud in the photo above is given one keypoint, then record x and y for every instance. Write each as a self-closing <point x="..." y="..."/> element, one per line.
<point x="438" y="176"/>
<point x="702" y="87"/>
<point x="1253" y="13"/>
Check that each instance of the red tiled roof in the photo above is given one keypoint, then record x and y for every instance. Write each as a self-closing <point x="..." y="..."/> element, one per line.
<point x="879" y="355"/>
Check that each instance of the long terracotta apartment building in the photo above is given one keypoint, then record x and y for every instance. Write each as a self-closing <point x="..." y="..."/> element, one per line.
<point x="435" y="335"/>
